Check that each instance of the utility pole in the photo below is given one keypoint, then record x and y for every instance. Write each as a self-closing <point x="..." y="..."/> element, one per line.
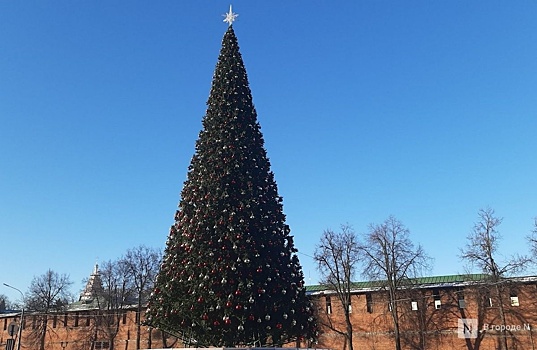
<point x="22" y="315"/>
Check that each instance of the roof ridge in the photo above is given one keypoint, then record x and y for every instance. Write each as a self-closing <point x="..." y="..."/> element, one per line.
<point x="424" y="280"/>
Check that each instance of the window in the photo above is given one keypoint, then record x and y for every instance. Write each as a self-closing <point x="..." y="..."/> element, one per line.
<point x="124" y="321"/>
<point x="350" y="304"/>
<point x="54" y="321"/>
<point x="460" y="296"/>
<point x="436" y="297"/>
<point x="65" y="320"/>
<point x="369" y="302"/>
<point x="414" y="305"/>
<point x="88" y="321"/>
<point x="514" y="298"/>
<point x="328" y="305"/>
<point x="76" y="319"/>
<point x="487" y="300"/>
<point x="101" y="345"/>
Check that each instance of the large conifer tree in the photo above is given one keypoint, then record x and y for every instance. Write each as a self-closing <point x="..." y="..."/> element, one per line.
<point x="230" y="275"/>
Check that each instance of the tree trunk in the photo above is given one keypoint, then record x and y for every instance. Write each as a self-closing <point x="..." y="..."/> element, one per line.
<point x="349" y="329"/>
<point x="139" y="318"/>
<point x="503" y="337"/>
<point x="393" y="311"/>
<point x="396" y="332"/>
<point x="43" y="332"/>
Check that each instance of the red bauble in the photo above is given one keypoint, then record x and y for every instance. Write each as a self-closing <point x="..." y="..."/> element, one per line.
<point x="227" y="321"/>
<point x="229" y="303"/>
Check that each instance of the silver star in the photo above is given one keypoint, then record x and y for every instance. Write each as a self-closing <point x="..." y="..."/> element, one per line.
<point x="230" y="16"/>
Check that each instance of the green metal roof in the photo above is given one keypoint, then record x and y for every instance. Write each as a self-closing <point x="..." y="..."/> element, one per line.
<point x="422" y="281"/>
<point x="476" y="277"/>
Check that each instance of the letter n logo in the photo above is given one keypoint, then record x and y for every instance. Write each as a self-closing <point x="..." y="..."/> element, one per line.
<point x="467" y="328"/>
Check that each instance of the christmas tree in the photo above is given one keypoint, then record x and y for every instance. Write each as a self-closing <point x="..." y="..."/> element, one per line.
<point x="230" y="275"/>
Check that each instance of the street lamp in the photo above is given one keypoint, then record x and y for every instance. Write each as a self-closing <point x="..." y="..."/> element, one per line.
<point x="22" y="315"/>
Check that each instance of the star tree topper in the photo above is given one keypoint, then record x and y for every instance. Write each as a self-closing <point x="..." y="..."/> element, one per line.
<point x="230" y="16"/>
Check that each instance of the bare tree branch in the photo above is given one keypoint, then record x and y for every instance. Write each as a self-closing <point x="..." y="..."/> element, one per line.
<point x="337" y="259"/>
<point x="391" y="259"/>
<point x="481" y="251"/>
<point x="141" y="265"/>
<point x="47" y="293"/>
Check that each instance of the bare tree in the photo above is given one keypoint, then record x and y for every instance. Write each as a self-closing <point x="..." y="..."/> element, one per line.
<point x="141" y="265"/>
<point x="48" y="293"/>
<point x="5" y="303"/>
<point x="337" y="260"/>
<point x="118" y="291"/>
<point x="481" y="251"/>
<point x="391" y="259"/>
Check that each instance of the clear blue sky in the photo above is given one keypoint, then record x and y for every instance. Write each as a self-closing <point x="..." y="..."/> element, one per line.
<point x="425" y="110"/>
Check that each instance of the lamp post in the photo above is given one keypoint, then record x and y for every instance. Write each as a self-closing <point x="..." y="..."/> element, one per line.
<point x="22" y="315"/>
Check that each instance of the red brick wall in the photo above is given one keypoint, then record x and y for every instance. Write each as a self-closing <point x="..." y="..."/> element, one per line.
<point x="426" y="328"/>
<point x="429" y="327"/>
<point x="83" y="331"/>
